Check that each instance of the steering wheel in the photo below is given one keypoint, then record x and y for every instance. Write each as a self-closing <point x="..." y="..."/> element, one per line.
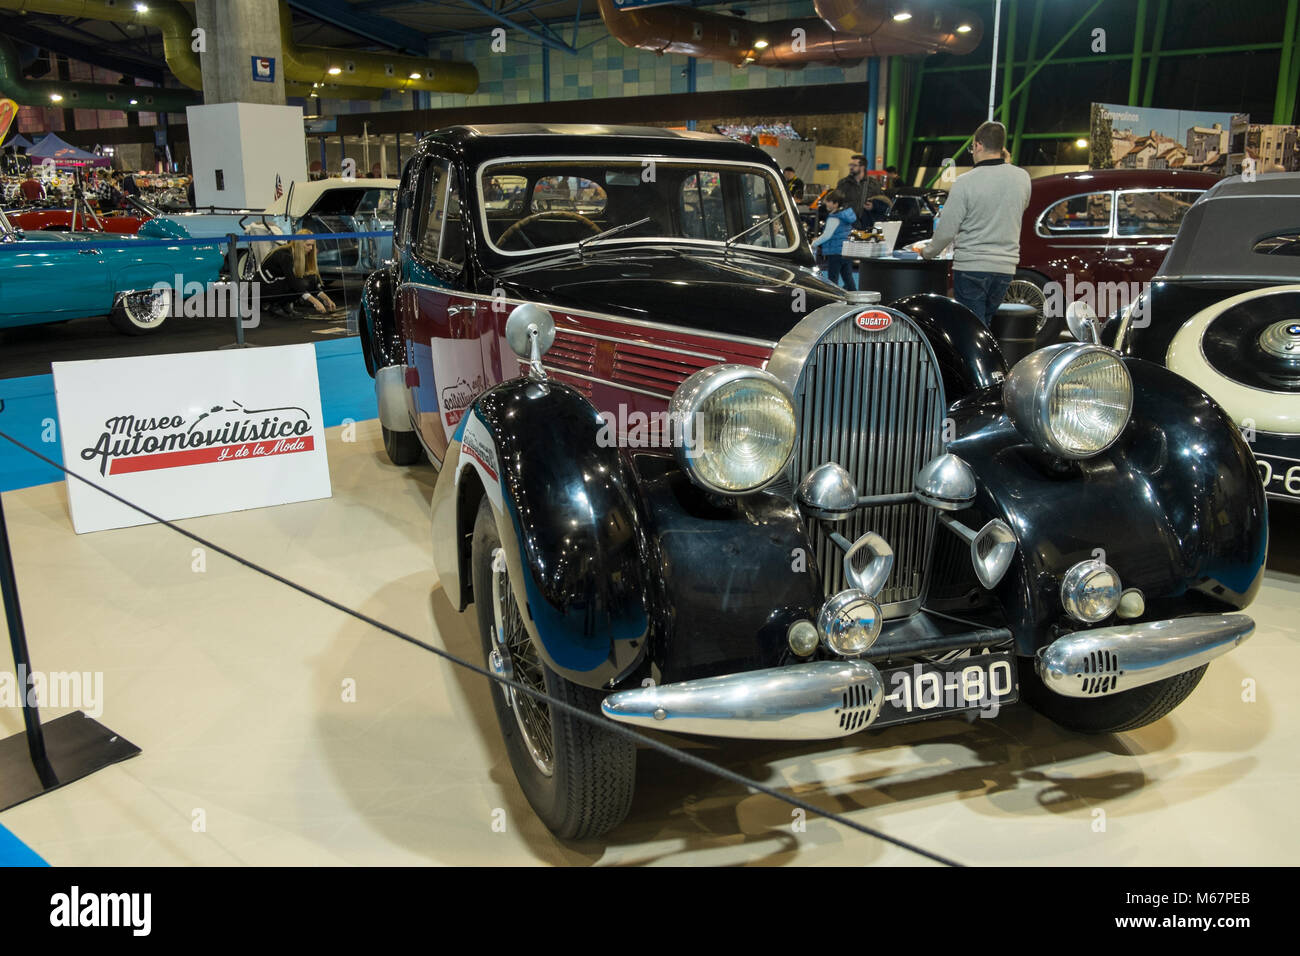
<point x="552" y="213"/>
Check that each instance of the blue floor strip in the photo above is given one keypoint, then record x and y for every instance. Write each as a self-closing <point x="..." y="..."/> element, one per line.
<point x="14" y="852"/>
<point x="346" y="390"/>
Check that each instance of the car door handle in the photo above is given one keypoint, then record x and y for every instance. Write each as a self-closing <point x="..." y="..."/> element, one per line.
<point x="87" y="252"/>
<point x="458" y="309"/>
<point x="1126" y="261"/>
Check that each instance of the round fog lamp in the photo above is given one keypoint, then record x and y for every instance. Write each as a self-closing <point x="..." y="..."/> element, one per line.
<point x="1090" y="591"/>
<point x="849" y="623"/>
<point x="803" y="637"/>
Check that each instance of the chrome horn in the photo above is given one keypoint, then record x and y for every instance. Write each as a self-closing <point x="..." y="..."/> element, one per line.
<point x="827" y="492"/>
<point x="946" y="482"/>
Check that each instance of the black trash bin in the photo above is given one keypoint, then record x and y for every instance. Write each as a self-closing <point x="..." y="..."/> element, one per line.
<point x="896" y="278"/>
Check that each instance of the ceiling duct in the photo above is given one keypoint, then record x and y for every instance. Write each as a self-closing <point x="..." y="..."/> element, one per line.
<point x="167" y="16"/>
<point x="86" y="96"/>
<point x="319" y="64"/>
<point x="361" y="75"/>
<point x="843" y="31"/>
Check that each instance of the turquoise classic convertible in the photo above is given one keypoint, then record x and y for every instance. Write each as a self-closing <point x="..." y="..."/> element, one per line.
<point x="54" y="276"/>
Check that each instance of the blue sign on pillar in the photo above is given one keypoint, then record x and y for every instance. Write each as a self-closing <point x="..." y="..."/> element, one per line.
<point x="264" y="69"/>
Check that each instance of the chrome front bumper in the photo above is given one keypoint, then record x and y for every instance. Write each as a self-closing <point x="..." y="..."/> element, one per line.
<point x="814" y="701"/>
<point x="1110" y="660"/>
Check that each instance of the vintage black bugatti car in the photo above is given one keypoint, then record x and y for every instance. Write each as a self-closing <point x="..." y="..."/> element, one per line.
<point x="690" y="486"/>
<point x="1224" y="312"/>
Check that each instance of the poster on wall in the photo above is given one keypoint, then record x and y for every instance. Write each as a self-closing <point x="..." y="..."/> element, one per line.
<point x="1141" y="137"/>
<point x="1269" y="147"/>
<point x="195" y="434"/>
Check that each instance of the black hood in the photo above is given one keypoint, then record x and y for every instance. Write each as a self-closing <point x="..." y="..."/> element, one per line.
<point x="734" y="295"/>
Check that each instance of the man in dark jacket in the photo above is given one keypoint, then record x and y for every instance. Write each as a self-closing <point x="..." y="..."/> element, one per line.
<point x="854" y="185"/>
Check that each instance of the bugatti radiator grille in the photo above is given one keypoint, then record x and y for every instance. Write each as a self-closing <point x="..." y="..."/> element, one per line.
<point x="873" y="403"/>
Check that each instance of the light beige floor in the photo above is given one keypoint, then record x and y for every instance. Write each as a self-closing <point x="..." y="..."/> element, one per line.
<point x="233" y="687"/>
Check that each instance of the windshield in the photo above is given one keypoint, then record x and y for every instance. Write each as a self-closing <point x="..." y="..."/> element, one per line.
<point x="355" y="202"/>
<point x="531" y="206"/>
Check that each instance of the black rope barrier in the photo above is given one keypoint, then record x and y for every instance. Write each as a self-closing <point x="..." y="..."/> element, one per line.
<point x="607" y="726"/>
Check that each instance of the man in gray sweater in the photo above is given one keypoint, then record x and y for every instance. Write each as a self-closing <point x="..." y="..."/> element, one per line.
<point x="982" y="216"/>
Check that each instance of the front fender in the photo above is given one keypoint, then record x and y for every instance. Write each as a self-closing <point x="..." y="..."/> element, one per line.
<point x="1176" y="505"/>
<point x="381" y="345"/>
<point x="567" y="514"/>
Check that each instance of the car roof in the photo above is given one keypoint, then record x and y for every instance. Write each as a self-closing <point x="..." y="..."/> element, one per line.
<point x="586" y="129"/>
<point x="1280" y="184"/>
<point x="305" y="194"/>
<point x="1219" y="231"/>
<point x="482" y="142"/>
<point x="1067" y="184"/>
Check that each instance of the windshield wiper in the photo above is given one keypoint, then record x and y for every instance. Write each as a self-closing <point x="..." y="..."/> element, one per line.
<point x="758" y="225"/>
<point x="611" y="232"/>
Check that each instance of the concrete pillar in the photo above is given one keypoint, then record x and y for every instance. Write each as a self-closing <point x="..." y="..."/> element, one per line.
<point x="234" y="36"/>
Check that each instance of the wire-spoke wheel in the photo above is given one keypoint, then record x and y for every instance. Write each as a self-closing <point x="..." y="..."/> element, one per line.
<point x="1024" y="292"/>
<point x="577" y="777"/>
<point x="141" y="312"/>
<point x="513" y="654"/>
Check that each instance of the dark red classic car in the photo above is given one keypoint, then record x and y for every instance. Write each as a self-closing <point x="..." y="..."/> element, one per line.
<point x="1085" y="232"/>
<point x="60" y="220"/>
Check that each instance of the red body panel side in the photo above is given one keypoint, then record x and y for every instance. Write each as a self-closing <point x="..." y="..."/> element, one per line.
<point x="456" y="350"/>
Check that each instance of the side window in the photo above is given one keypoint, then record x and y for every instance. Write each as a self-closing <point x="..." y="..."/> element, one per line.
<point x="1084" y="215"/>
<point x="440" y="235"/>
<point x="406" y="205"/>
<point x="433" y="189"/>
<point x="1145" y="212"/>
<point x="453" y="236"/>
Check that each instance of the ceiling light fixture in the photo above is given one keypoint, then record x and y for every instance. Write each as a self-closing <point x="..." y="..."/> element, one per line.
<point x="135" y="102"/>
<point x="56" y="97"/>
<point x="964" y="28"/>
<point x="1081" y="143"/>
<point x="414" y="76"/>
<point x="902" y="17"/>
<point x="334" y="70"/>
<point x="760" y="44"/>
<point x="141" y="8"/>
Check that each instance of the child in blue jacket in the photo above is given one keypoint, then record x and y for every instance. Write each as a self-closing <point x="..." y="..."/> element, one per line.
<point x="839" y="224"/>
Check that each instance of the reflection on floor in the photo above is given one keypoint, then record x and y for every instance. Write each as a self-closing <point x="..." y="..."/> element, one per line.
<point x="236" y="690"/>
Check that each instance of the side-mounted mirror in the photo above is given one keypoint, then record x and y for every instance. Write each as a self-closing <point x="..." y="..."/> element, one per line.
<point x="530" y="332"/>
<point x="1084" y="324"/>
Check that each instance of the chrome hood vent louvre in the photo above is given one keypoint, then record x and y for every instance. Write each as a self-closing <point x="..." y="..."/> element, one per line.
<point x="873" y="403"/>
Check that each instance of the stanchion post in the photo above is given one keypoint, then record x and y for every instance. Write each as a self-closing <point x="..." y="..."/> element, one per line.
<point x="22" y="659"/>
<point x="232" y="265"/>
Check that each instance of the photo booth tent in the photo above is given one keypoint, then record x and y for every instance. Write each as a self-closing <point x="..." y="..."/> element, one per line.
<point x="64" y="154"/>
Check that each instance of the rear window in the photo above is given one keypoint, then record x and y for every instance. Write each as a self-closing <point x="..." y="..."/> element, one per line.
<point x="1086" y="214"/>
<point x="1150" y="212"/>
<point x="1280" y="244"/>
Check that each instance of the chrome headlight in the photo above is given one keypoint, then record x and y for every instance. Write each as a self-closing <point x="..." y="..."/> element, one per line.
<point x="1071" y="400"/>
<point x="1090" y="591"/>
<point x="737" y="428"/>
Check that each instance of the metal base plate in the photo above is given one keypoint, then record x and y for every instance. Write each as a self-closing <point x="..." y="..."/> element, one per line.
<point x="76" y="746"/>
